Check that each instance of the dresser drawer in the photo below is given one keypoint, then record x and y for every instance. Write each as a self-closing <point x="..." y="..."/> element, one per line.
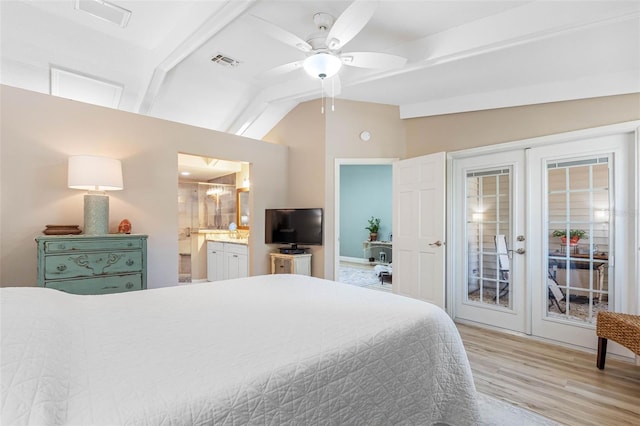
<point x="102" y="285"/>
<point x="92" y="245"/>
<point x="91" y="264"/>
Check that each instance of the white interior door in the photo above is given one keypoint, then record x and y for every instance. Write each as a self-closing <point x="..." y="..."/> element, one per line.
<point x="582" y="189"/>
<point x="489" y="249"/>
<point x="419" y="207"/>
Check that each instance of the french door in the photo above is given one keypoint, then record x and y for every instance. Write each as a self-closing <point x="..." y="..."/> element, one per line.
<point x="490" y="251"/>
<point x="583" y="261"/>
<point x="543" y="240"/>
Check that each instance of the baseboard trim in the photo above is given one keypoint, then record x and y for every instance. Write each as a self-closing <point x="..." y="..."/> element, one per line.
<point x="354" y="260"/>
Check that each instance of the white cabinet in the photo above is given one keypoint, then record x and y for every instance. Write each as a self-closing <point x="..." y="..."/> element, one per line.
<point x="215" y="261"/>
<point x="235" y="261"/>
<point x="226" y="261"/>
<point x="291" y="264"/>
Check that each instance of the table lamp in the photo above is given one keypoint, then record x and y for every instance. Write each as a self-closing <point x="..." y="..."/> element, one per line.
<point x="96" y="175"/>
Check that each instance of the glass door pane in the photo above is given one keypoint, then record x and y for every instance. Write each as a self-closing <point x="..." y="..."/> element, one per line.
<point x="187" y="221"/>
<point x="578" y="200"/>
<point x="488" y="219"/>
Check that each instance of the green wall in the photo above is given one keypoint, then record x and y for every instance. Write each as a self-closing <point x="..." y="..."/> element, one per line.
<point x="365" y="191"/>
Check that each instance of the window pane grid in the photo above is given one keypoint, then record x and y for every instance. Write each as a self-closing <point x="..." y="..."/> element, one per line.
<point x="488" y="209"/>
<point x="578" y="200"/>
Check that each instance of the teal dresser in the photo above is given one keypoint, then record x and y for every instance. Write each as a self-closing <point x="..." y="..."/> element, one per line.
<point x="93" y="264"/>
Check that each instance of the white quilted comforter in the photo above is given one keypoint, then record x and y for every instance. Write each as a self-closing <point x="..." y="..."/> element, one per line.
<point x="266" y="350"/>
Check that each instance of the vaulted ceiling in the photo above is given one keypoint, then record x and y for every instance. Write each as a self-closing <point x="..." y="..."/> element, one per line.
<point x="461" y="55"/>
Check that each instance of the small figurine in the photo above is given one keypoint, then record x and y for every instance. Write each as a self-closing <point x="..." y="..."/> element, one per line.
<point x="124" y="227"/>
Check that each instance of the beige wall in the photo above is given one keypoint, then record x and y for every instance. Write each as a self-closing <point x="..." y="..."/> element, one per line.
<point x="303" y="131"/>
<point x="308" y="133"/>
<point x="316" y="140"/>
<point x="39" y="133"/>
<point x="452" y="132"/>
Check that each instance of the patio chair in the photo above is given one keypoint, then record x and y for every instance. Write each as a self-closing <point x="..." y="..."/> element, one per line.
<point x="555" y="293"/>
<point x="504" y="264"/>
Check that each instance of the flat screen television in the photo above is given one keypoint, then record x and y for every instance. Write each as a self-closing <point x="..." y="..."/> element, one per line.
<point x="293" y="226"/>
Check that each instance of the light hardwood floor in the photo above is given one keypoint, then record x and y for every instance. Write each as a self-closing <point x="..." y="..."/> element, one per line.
<point x="559" y="383"/>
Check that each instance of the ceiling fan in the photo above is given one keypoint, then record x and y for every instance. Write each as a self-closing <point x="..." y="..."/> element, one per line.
<point x="324" y="47"/>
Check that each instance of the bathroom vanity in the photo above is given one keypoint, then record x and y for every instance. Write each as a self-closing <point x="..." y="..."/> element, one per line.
<point x="227" y="260"/>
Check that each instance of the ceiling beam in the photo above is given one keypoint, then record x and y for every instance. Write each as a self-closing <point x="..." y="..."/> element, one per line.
<point x="228" y="13"/>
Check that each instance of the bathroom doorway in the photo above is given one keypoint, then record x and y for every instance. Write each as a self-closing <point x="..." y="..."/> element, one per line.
<point x="207" y="203"/>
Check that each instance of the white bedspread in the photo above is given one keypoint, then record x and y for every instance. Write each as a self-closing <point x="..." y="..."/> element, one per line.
<point x="266" y="350"/>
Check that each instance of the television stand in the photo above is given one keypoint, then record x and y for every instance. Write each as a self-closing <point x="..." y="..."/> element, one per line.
<point x="293" y="249"/>
<point x="282" y="263"/>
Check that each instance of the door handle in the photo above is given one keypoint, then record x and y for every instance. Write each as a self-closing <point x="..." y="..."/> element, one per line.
<point x="436" y="244"/>
<point x="519" y="251"/>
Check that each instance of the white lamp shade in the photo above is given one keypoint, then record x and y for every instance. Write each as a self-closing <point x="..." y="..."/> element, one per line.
<point x="322" y="65"/>
<point x="94" y="173"/>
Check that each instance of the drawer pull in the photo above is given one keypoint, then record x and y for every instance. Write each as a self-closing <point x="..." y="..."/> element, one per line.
<point x="129" y="262"/>
<point x="129" y="244"/>
<point x="129" y="285"/>
<point x="62" y="246"/>
<point x="61" y="268"/>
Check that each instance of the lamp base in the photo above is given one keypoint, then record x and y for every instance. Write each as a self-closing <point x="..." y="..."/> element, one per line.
<point x="96" y="214"/>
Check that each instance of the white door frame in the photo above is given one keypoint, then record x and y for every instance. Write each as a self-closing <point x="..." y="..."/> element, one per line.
<point x="626" y="127"/>
<point x="336" y="202"/>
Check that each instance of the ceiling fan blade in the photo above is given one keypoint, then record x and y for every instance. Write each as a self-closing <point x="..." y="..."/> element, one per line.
<point x="373" y="60"/>
<point x="281" y="69"/>
<point x="280" y="34"/>
<point x="350" y="23"/>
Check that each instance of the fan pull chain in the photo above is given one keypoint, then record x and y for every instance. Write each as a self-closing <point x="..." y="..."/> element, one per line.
<point x="322" y="100"/>
<point x="333" y="94"/>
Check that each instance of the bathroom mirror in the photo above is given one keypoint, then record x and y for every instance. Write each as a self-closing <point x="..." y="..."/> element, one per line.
<point x="242" y="207"/>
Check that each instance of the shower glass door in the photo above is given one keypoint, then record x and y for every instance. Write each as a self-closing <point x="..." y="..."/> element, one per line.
<point x="187" y="221"/>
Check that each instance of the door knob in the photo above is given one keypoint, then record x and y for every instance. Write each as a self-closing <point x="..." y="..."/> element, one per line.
<point x="520" y="251"/>
<point x="436" y="244"/>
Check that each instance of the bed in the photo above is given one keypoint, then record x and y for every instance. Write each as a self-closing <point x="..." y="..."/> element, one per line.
<point x="265" y="350"/>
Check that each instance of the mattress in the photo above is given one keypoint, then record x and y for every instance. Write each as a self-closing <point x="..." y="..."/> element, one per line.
<point x="265" y="350"/>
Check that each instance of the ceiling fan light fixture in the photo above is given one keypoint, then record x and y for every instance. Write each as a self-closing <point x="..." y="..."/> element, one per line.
<point x="322" y="65"/>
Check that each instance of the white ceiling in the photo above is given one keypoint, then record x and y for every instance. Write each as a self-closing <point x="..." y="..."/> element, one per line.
<point x="462" y="55"/>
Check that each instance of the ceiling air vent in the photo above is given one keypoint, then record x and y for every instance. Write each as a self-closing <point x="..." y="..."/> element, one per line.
<point x="105" y="10"/>
<point x="225" y="60"/>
